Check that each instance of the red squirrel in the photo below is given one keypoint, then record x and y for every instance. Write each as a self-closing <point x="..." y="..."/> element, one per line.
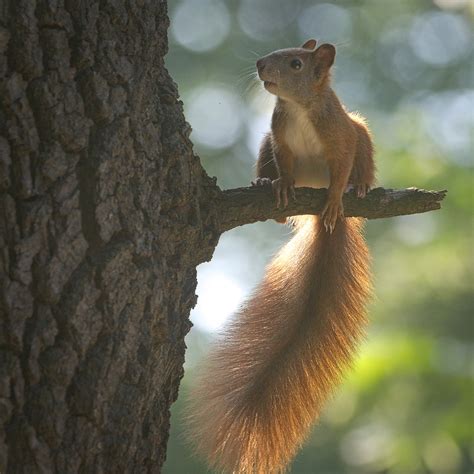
<point x="267" y="378"/>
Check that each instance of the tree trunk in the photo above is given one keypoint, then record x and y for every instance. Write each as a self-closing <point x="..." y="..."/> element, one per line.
<point x="104" y="215"/>
<point x="100" y="230"/>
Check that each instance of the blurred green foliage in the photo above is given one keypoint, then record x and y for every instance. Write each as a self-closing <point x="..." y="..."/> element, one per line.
<point x="407" y="65"/>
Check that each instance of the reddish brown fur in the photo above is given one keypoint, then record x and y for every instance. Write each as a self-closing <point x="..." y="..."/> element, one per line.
<point x="363" y="170"/>
<point x="270" y="373"/>
<point x="277" y="363"/>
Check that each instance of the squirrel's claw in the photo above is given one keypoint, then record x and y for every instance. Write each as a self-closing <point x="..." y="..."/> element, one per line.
<point x="261" y="182"/>
<point x="331" y="212"/>
<point x="293" y="193"/>
<point x="361" y="190"/>
<point x="281" y="188"/>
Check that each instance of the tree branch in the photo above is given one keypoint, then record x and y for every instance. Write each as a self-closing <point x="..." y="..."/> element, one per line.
<point x="241" y="206"/>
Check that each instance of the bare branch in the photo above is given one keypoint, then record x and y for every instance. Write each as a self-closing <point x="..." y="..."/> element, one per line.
<point x="241" y="206"/>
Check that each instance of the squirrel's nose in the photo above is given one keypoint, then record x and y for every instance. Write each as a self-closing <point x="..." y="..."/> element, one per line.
<point x="260" y="65"/>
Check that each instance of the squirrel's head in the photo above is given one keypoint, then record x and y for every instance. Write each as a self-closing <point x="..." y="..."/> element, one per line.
<point x="297" y="73"/>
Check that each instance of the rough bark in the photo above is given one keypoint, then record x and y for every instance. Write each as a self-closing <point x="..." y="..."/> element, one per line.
<point x="104" y="215"/>
<point x="100" y="230"/>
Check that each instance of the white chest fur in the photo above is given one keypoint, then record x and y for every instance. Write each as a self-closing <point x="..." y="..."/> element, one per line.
<point x="303" y="140"/>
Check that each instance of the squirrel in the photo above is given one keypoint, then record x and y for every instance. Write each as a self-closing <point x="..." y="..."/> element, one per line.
<point x="280" y="358"/>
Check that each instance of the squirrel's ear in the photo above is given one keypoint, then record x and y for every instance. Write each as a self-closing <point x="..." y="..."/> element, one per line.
<point x="310" y="44"/>
<point x="326" y="54"/>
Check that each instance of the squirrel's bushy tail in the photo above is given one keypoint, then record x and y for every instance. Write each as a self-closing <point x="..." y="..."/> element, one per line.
<point x="268" y="376"/>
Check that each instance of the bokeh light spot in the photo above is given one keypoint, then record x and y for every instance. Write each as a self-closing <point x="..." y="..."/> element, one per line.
<point x="416" y="230"/>
<point x="441" y="454"/>
<point x="440" y="38"/>
<point x="261" y="19"/>
<point x="215" y="115"/>
<point x="191" y="25"/>
<point x="449" y="120"/>
<point x="219" y="297"/>
<point x="326" y="21"/>
<point x="367" y="445"/>
<point x="398" y="61"/>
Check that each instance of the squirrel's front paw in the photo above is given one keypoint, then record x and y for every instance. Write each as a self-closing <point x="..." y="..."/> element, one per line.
<point x="261" y="182"/>
<point x="282" y="187"/>
<point x="361" y="190"/>
<point x="331" y="212"/>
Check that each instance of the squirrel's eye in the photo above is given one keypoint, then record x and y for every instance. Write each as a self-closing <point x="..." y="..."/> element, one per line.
<point x="296" y="64"/>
